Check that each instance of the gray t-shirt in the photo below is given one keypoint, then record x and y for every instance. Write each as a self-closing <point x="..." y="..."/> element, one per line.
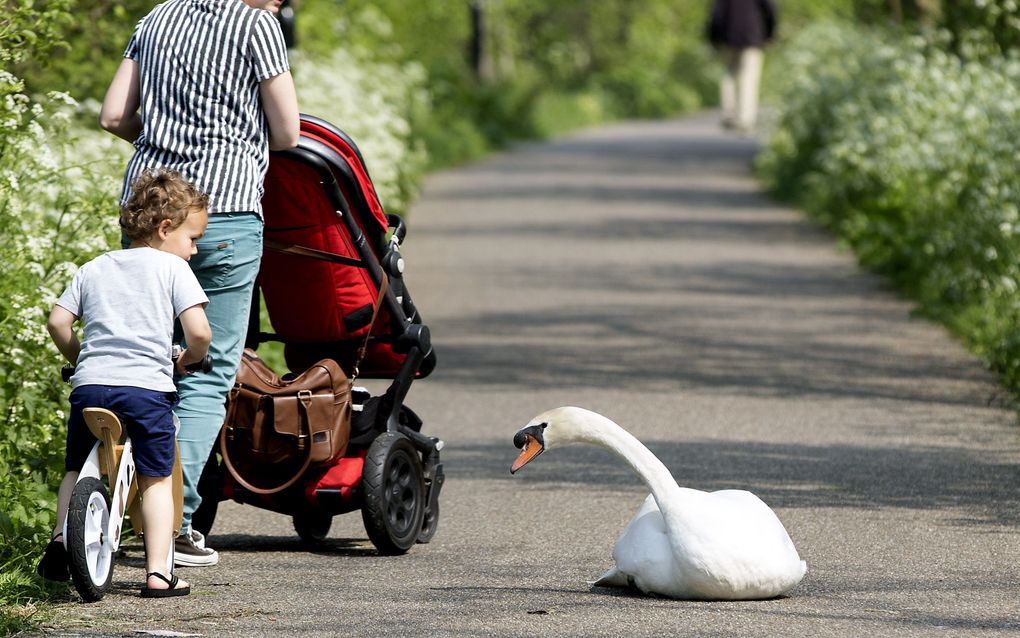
<point x="127" y="301"/>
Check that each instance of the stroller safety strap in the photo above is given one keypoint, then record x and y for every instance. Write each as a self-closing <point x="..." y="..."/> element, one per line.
<point x="304" y="251"/>
<point x="383" y="286"/>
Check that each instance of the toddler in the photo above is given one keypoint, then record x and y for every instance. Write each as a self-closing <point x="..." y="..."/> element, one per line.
<point x="127" y="301"/>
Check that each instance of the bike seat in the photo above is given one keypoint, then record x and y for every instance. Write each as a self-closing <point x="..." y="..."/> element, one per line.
<point x="99" y="419"/>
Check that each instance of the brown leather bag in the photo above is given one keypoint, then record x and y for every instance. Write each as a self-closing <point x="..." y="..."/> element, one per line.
<point x="275" y="429"/>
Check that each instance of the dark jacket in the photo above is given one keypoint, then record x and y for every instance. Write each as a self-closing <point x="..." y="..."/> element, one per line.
<point x="742" y="23"/>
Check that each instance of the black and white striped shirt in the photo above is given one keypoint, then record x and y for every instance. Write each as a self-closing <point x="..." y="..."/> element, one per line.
<point x="200" y="63"/>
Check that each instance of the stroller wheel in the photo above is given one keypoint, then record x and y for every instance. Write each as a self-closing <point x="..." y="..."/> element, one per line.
<point x="90" y="559"/>
<point x="429" y="524"/>
<point x="394" y="494"/>
<point x="312" y="527"/>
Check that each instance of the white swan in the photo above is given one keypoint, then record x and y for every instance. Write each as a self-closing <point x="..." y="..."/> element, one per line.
<point x="682" y="543"/>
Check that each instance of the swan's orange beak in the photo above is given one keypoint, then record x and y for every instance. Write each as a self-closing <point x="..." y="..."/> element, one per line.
<point x="531" y="448"/>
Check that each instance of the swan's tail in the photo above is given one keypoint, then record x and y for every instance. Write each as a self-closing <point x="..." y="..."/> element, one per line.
<point x="613" y="578"/>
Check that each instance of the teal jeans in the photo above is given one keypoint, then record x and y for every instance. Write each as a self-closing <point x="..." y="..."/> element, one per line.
<point x="226" y="265"/>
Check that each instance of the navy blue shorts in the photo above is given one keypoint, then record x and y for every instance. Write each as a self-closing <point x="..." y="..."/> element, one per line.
<point x="148" y="416"/>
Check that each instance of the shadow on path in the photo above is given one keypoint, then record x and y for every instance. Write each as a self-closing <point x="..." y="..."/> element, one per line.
<point x="783" y="475"/>
<point x="683" y="346"/>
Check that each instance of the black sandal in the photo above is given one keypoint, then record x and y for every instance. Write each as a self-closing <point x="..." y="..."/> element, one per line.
<point x="171" y="590"/>
<point x="53" y="565"/>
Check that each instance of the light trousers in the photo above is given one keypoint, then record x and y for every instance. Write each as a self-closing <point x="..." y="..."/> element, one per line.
<point x="738" y="90"/>
<point x="226" y="265"/>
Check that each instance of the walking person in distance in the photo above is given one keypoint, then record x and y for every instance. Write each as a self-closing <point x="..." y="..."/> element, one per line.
<point x="739" y="30"/>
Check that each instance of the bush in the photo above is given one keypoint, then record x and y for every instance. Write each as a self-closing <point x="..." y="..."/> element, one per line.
<point x="58" y="188"/>
<point x="49" y="198"/>
<point x="373" y="102"/>
<point x="551" y="66"/>
<point x="78" y="55"/>
<point x="556" y="112"/>
<point x="908" y="152"/>
<point x="981" y="28"/>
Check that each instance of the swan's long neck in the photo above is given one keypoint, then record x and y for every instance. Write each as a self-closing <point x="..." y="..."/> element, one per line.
<point x="602" y="432"/>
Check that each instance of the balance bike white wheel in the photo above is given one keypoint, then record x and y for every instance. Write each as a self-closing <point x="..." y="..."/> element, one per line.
<point x="90" y="559"/>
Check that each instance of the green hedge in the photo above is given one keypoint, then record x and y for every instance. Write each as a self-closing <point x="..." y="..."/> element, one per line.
<point x="57" y="208"/>
<point x="909" y="154"/>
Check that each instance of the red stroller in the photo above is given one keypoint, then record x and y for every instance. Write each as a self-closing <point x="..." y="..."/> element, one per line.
<point x="326" y="254"/>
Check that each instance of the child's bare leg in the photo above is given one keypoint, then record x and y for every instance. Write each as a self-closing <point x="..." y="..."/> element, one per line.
<point x="157" y="520"/>
<point x="63" y="501"/>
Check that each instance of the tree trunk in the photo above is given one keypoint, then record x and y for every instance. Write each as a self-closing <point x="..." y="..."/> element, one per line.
<point x="896" y="9"/>
<point x="480" y="56"/>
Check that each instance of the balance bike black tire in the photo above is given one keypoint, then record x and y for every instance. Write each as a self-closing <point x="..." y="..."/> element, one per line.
<point x="88" y="557"/>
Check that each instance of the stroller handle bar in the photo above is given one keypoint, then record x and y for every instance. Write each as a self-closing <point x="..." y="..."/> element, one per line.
<point x="396" y="222"/>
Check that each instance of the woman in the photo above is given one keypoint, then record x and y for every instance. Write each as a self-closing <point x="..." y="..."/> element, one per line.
<point x="205" y="89"/>
<point x="740" y="29"/>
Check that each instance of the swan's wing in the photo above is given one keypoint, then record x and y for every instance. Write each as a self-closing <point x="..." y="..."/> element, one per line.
<point x="614" y="577"/>
<point x="757" y="518"/>
<point x="643" y="555"/>
<point x="739" y="539"/>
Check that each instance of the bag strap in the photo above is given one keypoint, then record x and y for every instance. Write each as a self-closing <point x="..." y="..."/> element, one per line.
<point x="304" y="251"/>
<point x="248" y="486"/>
<point x="375" y="313"/>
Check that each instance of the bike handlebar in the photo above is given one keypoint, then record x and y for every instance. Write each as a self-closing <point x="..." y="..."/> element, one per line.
<point x="205" y="365"/>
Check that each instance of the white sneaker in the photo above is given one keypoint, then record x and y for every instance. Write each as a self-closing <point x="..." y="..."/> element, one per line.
<point x="190" y="551"/>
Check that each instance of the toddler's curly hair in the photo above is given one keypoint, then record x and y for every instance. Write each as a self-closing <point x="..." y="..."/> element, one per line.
<point x="159" y="194"/>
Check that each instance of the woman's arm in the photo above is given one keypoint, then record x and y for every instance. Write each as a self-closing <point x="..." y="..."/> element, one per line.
<point x="119" y="114"/>
<point x="279" y="100"/>
<point x="61" y="329"/>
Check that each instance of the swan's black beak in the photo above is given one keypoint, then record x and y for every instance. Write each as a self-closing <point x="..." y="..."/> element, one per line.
<point x="531" y="443"/>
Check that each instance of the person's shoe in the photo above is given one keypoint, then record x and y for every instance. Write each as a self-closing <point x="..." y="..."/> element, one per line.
<point x="171" y="588"/>
<point x="53" y="565"/>
<point x="198" y="538"/>
<point x="190" y="551"/>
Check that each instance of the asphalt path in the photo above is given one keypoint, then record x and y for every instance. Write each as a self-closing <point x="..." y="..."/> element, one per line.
<point x="639" y="271"/>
